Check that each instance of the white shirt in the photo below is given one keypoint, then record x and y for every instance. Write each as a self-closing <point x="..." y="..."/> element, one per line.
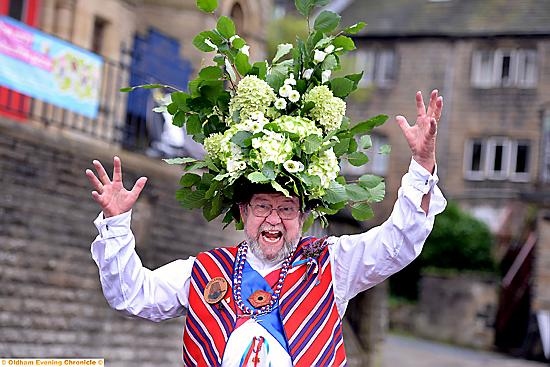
<point x="359" y="262"/>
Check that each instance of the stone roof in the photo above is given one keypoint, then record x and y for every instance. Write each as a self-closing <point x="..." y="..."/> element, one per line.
<point x="459" y="18"/>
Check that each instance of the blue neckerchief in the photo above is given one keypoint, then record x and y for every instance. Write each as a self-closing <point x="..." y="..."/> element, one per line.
<point x="253" y="281"/>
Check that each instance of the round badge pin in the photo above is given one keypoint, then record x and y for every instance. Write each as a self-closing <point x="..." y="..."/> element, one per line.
<point x="215" y="290"/>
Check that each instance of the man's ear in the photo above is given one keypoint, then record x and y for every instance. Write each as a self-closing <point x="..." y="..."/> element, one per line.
<point x="243" y="211"/>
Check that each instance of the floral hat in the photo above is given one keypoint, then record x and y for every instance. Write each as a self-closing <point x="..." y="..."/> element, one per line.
<point x="280" y="124"/>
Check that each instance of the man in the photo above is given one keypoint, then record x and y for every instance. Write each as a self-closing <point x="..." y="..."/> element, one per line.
<point x="275" y="299"/>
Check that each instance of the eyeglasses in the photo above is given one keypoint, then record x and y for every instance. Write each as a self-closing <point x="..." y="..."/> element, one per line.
<point x="284" y="212"/>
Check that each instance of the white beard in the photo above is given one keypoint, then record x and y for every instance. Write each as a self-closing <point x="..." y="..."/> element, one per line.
<point x="286" y="250"/>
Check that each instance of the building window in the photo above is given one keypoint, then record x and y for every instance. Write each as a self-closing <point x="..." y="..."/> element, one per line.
<point x="504" y="68"/>
<point x="17" y="9"/>
<point x="378" y="66"/>
<point x="378" y="162"/>
<point x="497" y="158"/>
<point x="237" y="15"/>
<point x="98" y="35"/>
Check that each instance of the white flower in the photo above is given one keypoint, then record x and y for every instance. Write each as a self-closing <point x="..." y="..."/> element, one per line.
<point x="329" y="49"/>
<point x="308" y="73"/>
<point x="325" y="76"/>
<point x="290" y="81"/>
<point x="319" y="56"/>
<point x="257" y="115"/>
<point x="294" y="96"/>
<point x="246" y="50"/>
<point x="293" y="166"/>
<point x="285" y="90"/>
<point x="209" y="43"/>
<point x="280" y="103"/>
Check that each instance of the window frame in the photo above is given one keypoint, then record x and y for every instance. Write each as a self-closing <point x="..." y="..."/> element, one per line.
<point x="488" y="155"/>
<point x="488" y="68"/>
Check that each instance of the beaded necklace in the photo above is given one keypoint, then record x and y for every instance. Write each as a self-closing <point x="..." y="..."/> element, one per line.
<point x="238" y="280"/>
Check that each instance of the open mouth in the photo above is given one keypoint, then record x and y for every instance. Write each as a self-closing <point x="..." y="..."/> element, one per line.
<point x="272" y="236"/>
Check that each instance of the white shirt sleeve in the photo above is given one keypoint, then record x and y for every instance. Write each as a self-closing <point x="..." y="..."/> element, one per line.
<point x="361" y="261"/>
<point x="128" y="286"/>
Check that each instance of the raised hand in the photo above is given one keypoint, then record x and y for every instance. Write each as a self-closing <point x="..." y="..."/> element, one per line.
<point x="113" y="198"/>
<point x="421" y="137"/>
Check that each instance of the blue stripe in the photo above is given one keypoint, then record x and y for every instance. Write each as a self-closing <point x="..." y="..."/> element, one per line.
<point x="331" y="347"/>
<point x="286" y="304"/>
<point x="225" y="258"/>
<point x="223" y="315"/>
<point x="306" y="336"/>
<point x="202" y="339"/>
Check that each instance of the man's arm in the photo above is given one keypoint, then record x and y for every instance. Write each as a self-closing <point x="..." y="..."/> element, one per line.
<point x="362" y="261"/>
<point x="128" y="286"/>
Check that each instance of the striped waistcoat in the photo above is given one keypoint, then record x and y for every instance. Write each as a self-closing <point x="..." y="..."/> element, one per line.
<point x="308" y="311"/>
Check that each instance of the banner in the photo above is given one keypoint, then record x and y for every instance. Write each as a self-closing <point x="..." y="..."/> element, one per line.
<point x="48" y="68"/>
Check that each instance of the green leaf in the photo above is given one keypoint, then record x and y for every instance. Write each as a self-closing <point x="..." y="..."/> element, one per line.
<point x="341" y="87"/>
<point x="269" y="170"/>
<point x="330" y="62"/>
<point x="344" y="42"/>
<point x="242" y="64"/>
<point x="257" y="177"/>
<point x="207" y="6"/>
<point x="275" y="79"/>
<point x="151" y="86"/>
<point x="189" y="179"/>
<point x="366" y="126"/>
<point x="211" y="73"/>
<point x="356" y="192"/>
<point x="193" y="125"/>
<point x="126" y="89"/>
<point x="305" y="6"/>
<point x="370" y="181"/>
<point x="362" y="212"/>
<point x="226" y="27"/>
<point x="365" y="142"/>
<point x="238" y="43"/>
<point x="341" y="147"/>
<point x="259" y="69"/>
<point x="312" y="143"/>
<point x="377" y="193"/>
<point x="190" y="199"/>
<point x="385" y="149"/>
<point x="178" y="119"/>
<point x="354" y="29"/>
<point x="335" y="193"/>
<point x="199" y="43"/>
<point x="282" y="50"/>
<point x="242" y="139"/>
<point x="357" y="159"/>
<point x="183" y="160"/>
<point x="326" y="21"/>
<point x="180" y="99"/>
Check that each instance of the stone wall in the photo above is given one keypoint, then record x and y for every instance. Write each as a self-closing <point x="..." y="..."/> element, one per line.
<point x="457" y="309"/>
<point x="51" y="304"/>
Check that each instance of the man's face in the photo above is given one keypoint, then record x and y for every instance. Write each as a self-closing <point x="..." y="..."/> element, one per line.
<point x="274" y="237"/>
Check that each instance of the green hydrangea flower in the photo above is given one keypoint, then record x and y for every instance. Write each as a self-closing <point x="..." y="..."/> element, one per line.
<point x="253" y="95"/>
<point x="328" y="110"/>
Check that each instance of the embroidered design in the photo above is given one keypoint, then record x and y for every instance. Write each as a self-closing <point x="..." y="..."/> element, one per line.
<point x="314" y="248"/>
<point x="215" y="290"/>
<point x="259" y="298"/>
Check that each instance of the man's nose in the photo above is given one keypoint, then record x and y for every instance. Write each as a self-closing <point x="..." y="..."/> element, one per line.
<point x="273" y="217"/>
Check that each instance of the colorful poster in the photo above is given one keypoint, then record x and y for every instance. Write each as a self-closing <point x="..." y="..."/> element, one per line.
<point x="48" y="68"/>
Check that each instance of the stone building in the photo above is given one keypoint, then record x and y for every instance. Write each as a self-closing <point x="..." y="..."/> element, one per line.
<point x="489" y="59"/>
<point x="50" y="299"/>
